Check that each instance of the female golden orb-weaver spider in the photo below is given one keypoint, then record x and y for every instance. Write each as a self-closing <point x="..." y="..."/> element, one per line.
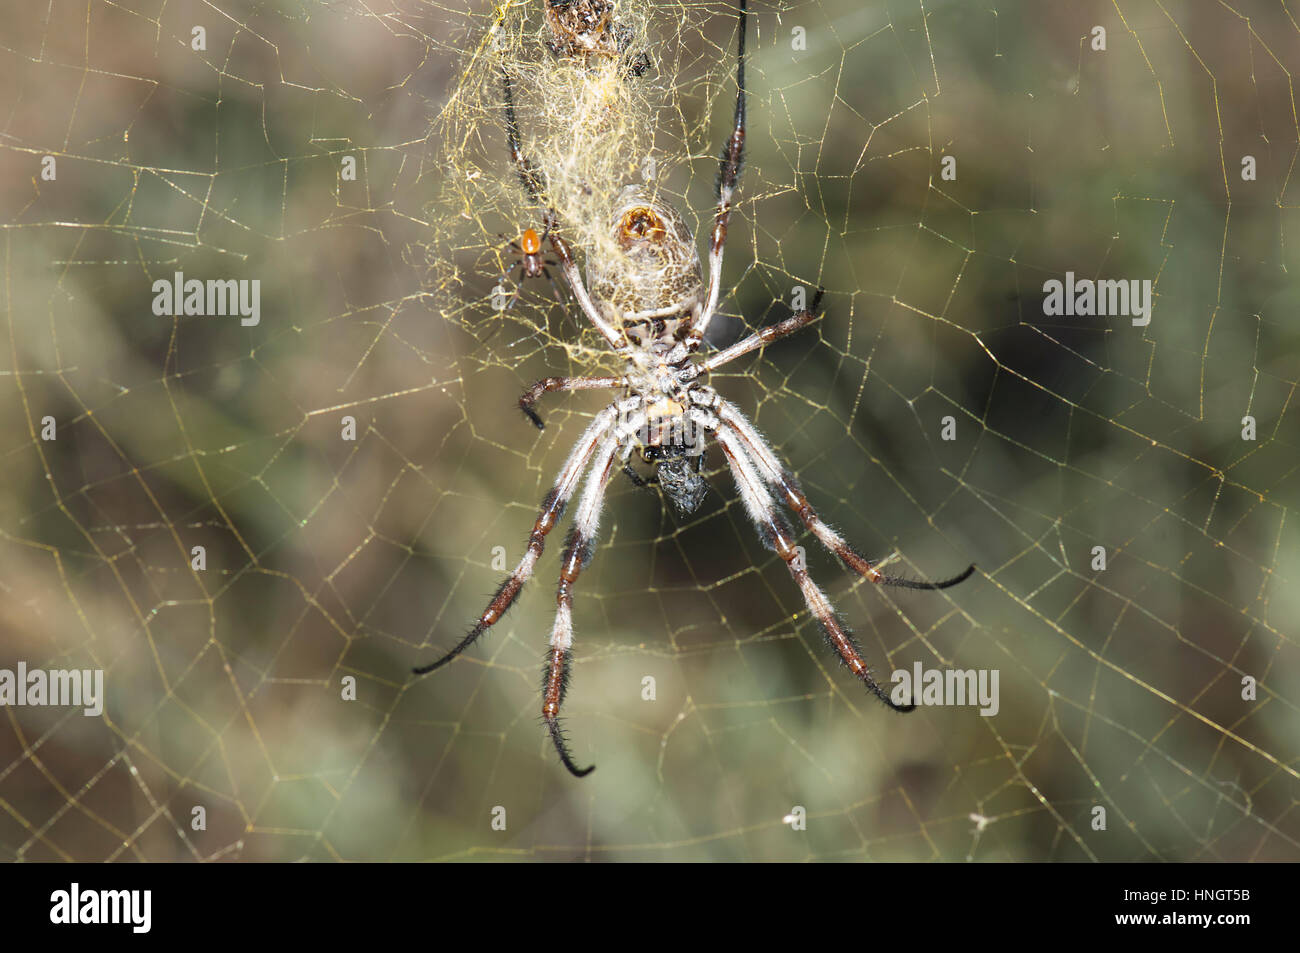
<point x="652" y="307"/>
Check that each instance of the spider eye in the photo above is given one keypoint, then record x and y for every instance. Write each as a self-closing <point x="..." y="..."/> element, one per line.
<point x="529" y="242"/>
<point x="641" y="224"/>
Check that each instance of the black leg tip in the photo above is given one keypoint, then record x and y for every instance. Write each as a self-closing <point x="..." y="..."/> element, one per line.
<point x="435" y="665"/>
<point x="902" y="582"/>
<point x="465" y="643"/>
<point x="562" y="749"/>
<point x="961" y="577"/>
<point x="532" y="415"/>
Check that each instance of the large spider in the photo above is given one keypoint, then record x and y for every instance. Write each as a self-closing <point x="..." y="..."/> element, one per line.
<point x="653" y="309"/>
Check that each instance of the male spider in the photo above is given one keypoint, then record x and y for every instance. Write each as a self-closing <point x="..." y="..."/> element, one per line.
<point x="653" y="309"/>
<point x="529" y="262"/>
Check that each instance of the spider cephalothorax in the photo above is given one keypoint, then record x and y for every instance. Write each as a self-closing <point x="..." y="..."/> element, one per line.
<point x="650" y="303"/>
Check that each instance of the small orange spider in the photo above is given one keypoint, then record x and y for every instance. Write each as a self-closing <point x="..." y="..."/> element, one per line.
<point x="530" y="263"/>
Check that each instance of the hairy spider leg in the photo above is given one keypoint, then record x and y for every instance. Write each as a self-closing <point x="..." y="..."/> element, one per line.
<point x="573" y="276"/>
<point x="547" y="384"/>
<point x="577" y="554"/>
<point x="531" y="177"/>
<point x="776" y="533"/>
<point x="728" y="173"/>
<point x="638" y="481"/>
<point x="782" y="480"/>
<point x="773" y="332"/>
<point x="552" y="509"/>
<point x="529" y="174"/>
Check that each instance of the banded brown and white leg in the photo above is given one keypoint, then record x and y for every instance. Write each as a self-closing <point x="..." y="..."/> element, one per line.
<point x="548" y="384"/>
<point x="784" y="482"/>
<point x="552" y="509"/>
<point x="533" y="182"/>
<point x="776" y="533"/>
<point x="773" y="332"/>
<point x="577" y="554"/>
<point x="573" y="276"/>
<point x="733" y="151"/>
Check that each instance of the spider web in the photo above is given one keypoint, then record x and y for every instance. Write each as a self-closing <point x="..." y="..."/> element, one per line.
<point x="329" y="559"/>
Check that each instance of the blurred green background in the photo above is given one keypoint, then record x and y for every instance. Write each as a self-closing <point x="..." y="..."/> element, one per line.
<point x="332" y="559"/>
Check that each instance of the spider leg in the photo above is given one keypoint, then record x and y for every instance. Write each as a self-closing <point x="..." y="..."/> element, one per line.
<point x="773" y="332"/>
<point x="728" y="173"/>
<point x="551" y="511"/>
<point x="776" y="533"/>
<point x="574" y="277"/>
<point x="577" y="554"/>
<point x="506" y="275"/>
<point x="531" y="177"/>
<point x="781" y="479"/>
<point x="637" y="480"/>
<point x="529" y="174"/>
<point x="548" y="384"/>
<point x="554" y="287"/>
